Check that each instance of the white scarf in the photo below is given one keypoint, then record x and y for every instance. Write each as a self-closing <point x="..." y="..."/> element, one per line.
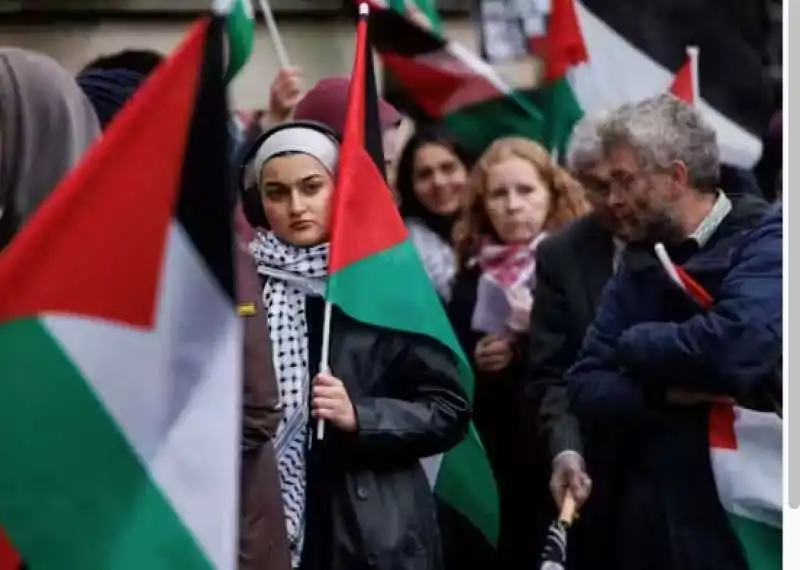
<point x="291" y="274"/>
<point x="437" y="257"/>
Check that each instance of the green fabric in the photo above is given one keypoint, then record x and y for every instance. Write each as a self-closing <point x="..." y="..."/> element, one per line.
<point x="762" y="543"/>
<point x="390" y="289"/>
<point x="57" y="438"/>
<point x="240" y="31"/>
<point x="508" y="114"/>
<point x="427" y="7"/>
<point x="562" y="111"/>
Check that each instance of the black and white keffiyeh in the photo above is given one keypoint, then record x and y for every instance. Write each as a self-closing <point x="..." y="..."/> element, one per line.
<point x="290" y="274"/>
<point x="438" y="256"/>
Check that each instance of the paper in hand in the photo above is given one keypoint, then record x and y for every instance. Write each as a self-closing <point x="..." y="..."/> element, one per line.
<point x="492" y="309"/>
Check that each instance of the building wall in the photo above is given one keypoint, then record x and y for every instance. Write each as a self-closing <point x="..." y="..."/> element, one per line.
<point x="321" y="48"/>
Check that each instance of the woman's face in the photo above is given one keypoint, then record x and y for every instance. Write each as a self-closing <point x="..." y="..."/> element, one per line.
<point x="517" y="200"/>
<point x="295" y="193"/>
<point x="439" y="179"/>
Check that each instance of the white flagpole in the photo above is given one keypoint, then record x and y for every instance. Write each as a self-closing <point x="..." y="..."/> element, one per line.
<point x="324" y="360"/>
<point x="693" y="53"/>
<point x="274" y="34"/>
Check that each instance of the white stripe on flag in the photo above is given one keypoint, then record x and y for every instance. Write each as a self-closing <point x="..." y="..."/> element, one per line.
<point x="618" y="73"/>
<point x="175" y="392"/>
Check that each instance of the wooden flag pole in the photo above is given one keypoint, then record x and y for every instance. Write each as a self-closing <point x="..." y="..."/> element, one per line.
<point x="274" y="34"/>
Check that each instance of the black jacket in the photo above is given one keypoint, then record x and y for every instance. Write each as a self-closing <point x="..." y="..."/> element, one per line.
<point x="518" y="458"/>
<point x="648" y="338"/>
<point x="572" y="268"/>
<point x="369" y="503"/>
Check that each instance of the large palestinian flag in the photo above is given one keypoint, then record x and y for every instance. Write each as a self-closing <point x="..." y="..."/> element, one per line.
<point x="634" y="50"/>
<point x="377" y="277"/>
<point x="448" y="83"/>
<point x="120" y="346"/>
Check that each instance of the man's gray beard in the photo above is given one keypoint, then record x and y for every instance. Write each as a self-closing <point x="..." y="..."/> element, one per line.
<point x="664" y="227"/>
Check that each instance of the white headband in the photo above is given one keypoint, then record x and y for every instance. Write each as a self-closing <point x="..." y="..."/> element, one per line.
<point x="298" y="139"/>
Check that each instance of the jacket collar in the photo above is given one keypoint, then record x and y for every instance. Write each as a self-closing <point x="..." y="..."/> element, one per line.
<point x="709" y="246"/>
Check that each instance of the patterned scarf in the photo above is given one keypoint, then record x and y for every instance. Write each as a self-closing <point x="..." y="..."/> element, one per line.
<point x="437" y="256"/>
<point x="291" y="274"/>
<point x="509" y="266"/>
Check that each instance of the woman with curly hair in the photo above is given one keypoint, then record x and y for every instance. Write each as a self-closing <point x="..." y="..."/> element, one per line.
<point x="515" y="197"/>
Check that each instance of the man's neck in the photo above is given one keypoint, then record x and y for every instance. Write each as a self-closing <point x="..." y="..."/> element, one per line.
<point x="696" y="208"/>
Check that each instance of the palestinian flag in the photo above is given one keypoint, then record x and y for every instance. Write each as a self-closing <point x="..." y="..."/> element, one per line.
<point x="684" y="85"/>
<point x="450" y="84"/>
<point x="746" y="449"/>
<point x="564" y="60"/>
<point x="120" y="346"/>
<point x="239" y="31"/>
<point x="747" y="459"/>
<point x="376" y="277"/>
<point x="634" y="49"/>
<point x="420" y="9"/>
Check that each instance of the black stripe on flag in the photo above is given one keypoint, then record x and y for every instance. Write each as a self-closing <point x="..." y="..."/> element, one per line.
<point x="732" y="74"/>
<point x="390" y="32"/>
<point x="205" y="204"/>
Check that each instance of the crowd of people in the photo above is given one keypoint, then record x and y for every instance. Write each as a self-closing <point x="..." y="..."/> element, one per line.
<point x="594" y="373"/>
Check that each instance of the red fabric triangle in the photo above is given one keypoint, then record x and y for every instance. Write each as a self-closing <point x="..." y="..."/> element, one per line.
<point x="565" y="45"/>
<point x="722" y="434"/>
<point x="96" y="246"/>
<point x="682" y="84"/>
<point x="364" y="217"/>
<point x="441" y="86"/>
<point x="9" y="559"/>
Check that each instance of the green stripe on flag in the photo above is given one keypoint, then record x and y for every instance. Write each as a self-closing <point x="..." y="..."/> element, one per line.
<point x="395" y="278"/>
<point x="74" y="493"/>
<point x="427" y="7"/>
<point x="508" y="114"/>
<point x="240" y="31"/>
<point x="762" y="543"/>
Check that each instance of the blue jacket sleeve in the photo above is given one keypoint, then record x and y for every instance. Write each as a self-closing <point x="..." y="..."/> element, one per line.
<point x="731" y="348"/>
<point x="598" y="388"/>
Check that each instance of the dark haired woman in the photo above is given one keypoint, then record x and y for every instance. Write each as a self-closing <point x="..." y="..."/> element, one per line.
<point x="358" y="498"/>
<point x="431" y="179"/>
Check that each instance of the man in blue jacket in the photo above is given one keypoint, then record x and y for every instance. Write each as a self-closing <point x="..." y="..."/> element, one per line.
<point x="653" y="359"/>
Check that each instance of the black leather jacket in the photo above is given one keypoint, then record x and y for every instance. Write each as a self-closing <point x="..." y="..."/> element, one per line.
<point x="380" y="511"/>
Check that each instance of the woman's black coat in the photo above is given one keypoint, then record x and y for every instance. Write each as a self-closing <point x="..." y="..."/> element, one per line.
<point x="517" y="454"/>
<point x="369" y="503"/>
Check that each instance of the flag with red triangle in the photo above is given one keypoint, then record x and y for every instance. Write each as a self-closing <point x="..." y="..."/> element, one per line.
<point x="565" y="53"/>
<point x="120" y="345"/>
<point x="683" y="84"/>
<point x="377" y="277"/>
<point x="447" y="83"/>
<point x="634" y="50"/>
<point x="746" y="448"/>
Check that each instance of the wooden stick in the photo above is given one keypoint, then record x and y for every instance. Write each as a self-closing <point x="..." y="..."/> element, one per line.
<point x="568" y="509"/>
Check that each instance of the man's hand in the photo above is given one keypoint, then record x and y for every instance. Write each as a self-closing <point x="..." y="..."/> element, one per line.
<point x="569" y="474"/>
<point x="284" y="94"/>
<point x="493" y="353"/>
<point x="330" y="402"/>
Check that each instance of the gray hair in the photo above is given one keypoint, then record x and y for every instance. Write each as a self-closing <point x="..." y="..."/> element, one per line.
<point x="663" y="130"/>
<point x="585" y="146"/>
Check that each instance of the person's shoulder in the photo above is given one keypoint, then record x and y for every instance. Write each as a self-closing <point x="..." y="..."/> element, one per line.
<point x="573" y="236"/>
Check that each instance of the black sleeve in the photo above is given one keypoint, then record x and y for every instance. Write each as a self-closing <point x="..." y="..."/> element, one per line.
<point x="551" y="354"/>
<point x="460" y="309"/>
<point x="429" y="417"/>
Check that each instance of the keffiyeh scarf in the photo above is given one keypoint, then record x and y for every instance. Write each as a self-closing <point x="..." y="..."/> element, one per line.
<point x="437" y="256"/>
<point x="512" y="268"/>
<point x="290" y="274"/>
